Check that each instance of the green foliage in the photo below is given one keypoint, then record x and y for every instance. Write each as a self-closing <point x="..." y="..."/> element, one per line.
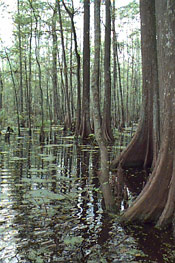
<point x="72" y="241"/>
<point x="129" y="11"/>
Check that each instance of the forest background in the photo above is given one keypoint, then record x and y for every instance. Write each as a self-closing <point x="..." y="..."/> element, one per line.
<point x="38" y="75"/>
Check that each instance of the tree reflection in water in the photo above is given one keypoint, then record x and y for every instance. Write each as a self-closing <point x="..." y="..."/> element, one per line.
<point x="51" y="208"/>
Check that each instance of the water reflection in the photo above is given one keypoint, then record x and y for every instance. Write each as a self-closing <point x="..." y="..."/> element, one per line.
<point x="51" y="207"/>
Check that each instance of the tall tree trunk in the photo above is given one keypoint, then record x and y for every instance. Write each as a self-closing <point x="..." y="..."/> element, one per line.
<point x="68" y="114"/>
<point x="71" y="78"/>
<point x="140" y="151"/>
<point x="156" y="202"/>
<point x="106" y="122"/>
<point x="85" y="127"/>
<point x="122" y="121"/>
<point x="26" y="90"/>
<point x="15" y="92"/>
<point x="20" y="63"/>
<point x="30" y="78"/>
<point x="114" y="63"/>
<point x="1" y="89"/>
<point x="37" y="56"/>
<point x="104" y="174"/>
<point x="78" y="110"/>
<point x="54" y="67"/>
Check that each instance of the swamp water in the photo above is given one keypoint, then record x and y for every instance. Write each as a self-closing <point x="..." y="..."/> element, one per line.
<point x="51" y="207"/>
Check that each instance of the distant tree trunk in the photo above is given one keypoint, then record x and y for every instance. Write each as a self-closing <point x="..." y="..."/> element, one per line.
<point x="85" y="127"/>
<point x="122" y="121"/>
<point x="37" y="56"/>
<point x="106" y="122"/>
<point x="114" y="64"/>
<point x="15" y="92"/>
<point x="26" y="90"/>
<point x="127" y="91"/>
<point x="96" y="72"/>
<point x="20" y="63"/>
<point x="78" y="110"/>
<point x="104" y="174"/>
<point x="139" y="152"/>
<point x="1" y="89"/>
<point x="54" y="67"/>
<point x="71" y="78"/>
<point x="41" y="91"/>
<point x="49" y="104"/>
<point x="67" y="122"/>
<point x="30" y="79"/>
<point x="62" y="93"/>
<point x="156" y="202"/>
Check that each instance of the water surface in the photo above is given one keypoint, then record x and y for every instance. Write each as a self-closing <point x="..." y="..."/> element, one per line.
<point x="52" y="209"/>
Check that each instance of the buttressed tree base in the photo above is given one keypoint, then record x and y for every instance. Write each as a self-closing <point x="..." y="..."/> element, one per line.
<point x="154" y="142"/>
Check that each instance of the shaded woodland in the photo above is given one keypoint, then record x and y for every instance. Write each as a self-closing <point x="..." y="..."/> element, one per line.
<point x="87" y="127"/>
<point x="94" y="83"/>
<point x="48" y="69"/>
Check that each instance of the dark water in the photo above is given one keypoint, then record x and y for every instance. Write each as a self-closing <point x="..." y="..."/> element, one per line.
<point x="52" y="209"/>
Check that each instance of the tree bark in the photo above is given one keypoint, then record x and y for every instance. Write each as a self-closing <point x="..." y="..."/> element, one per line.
<point x="122" y="121"/>
<point x="67" y="121"/>
<point x="54" y="67"/>
<point x="20" y="63"/>
<point x="115" y="89"/>
<point x="104" y="174"/>
<point x="1" y="89"/>
<point x="15" y="92"/>
<point x="156" y="202"/>
<point x="78" y="110"/>
<point x="37" y="56"/>
<point x="141" y="151"/>
<point x="106" y="122"/>
<point x="85" y="127"/>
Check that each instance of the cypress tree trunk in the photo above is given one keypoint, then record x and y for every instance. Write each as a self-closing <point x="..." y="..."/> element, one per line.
<point x="1" y="89"/>
<point x="156" y="202"/>
<point x="106" y="122"/>
<point x="104" y="173"/>
<point x="78" y="110"/>
<point x="141" y="151"/>
<point x="54" y="68"/>
<point x="67" y="121"/>
<point x="85" y="127"/>
<point x="20" y="63"/>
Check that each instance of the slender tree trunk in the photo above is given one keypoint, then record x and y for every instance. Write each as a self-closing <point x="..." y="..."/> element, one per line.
<point x="62" y="93"/>
<point x="27" y="89"/>
<point x="78" y="111"/>
<point x="127" y="91"/>
<point x="15" y="92"/>
<point x="54" y="67"/>
<point x="68" y="114"/>
<point x="122" y="121"/>
<point x="114" y="62"/>
<point x="85" y="127"/>
<point x="1" y="89"/>
<point x="106" y="122"/>
<point x="30" y="79"/>
<point x="104" y="174"/>
<point x="37" y="56"/>
<point x="71" y="78"/>
<point x="20" y="63"/>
